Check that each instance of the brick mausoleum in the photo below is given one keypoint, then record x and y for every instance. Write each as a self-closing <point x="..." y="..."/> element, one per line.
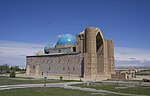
<point x="88" y="56"/>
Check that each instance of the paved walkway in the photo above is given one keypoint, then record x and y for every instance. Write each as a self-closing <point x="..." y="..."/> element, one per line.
<point x="65" y="85"/>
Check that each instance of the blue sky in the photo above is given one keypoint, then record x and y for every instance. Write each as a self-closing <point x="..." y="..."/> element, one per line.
<point x="38" y="22"/>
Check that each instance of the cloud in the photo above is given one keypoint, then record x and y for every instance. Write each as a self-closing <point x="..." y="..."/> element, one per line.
<point x="132" y="57"/>
<point x="14" y="53"/>
<point x="132" y="63"/>
<point x="59" y="36"/>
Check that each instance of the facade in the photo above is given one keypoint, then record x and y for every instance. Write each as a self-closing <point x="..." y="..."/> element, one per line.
<point x="88" y="56"/>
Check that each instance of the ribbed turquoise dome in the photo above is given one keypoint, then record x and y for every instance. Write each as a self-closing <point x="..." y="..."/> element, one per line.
<point x="66" y="39"/>
<point x="47" y="47"/>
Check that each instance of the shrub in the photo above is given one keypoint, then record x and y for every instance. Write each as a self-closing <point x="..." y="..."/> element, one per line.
<point x="12" y="74"/>
<point x="61" y="77"/>
<point x="146" y="80"/>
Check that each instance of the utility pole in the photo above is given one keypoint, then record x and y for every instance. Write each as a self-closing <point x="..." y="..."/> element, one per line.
<point x="45" y="81"/>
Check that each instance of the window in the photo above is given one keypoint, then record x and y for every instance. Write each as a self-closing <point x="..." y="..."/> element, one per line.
<point x="68" y="68"/>
<point x="42" y="73"/>
<point x="59" y="51"/>
<point x="74" y="49"/>
<point x="49" y="68"/>
<point x="73" y="68"/>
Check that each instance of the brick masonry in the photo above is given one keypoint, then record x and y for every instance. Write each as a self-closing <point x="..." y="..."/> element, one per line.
<point x="56" y="65"/>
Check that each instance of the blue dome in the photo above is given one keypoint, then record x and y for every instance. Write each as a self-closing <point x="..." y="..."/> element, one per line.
<point x="66" y="39"/>
<point x="47" y="47"/>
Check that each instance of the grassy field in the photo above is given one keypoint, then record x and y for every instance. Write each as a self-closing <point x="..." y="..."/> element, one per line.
<point x="115" y="88"/>
<point x="45" y="92"/>
<point x="14" y="81"/>
<point x="143" y="72"/>
<point x="64" y="92"/>
<point x="124" y="80"/>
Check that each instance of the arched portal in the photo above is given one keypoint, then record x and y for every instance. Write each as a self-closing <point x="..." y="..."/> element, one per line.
<point x="99" y="41"/>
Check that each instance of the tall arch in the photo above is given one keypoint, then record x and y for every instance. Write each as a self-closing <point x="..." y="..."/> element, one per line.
<point x="100" y="52"/>
<point x="99" y="41"/>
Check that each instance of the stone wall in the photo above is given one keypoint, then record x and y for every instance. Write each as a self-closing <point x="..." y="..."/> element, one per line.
<point x="118" y="76"/>
<point x="64" y="45"/>
<point x="55" y="65"/>
<point x="61" y="50"/>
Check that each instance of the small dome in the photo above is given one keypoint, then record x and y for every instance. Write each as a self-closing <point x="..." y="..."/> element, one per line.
<point x="40" y="53"/>
<point x="47" y="47"/>
<point x="66" y="39"/>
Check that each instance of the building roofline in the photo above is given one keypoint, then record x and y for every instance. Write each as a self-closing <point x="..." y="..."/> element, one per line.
<point x="56" y="54"/>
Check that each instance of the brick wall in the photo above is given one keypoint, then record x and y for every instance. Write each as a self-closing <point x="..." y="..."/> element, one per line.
<point x="55" y="65"/>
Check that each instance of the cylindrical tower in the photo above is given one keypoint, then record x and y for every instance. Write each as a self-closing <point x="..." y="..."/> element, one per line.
<point x="90" y="56"/>
<point x="90" y="42"/>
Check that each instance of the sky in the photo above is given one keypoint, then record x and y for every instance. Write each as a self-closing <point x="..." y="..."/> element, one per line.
<point x="26" y="26"/>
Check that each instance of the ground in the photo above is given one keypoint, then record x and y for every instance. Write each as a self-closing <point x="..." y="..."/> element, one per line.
<point x="118" y="88"/>
<point x="44" y="92"/>
<point x="15" y="81"/>
<point x="32" y="87"/>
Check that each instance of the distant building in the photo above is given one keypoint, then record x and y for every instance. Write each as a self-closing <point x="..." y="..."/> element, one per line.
<point x="88" y="56"/>
<point x="124" y="73"/>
